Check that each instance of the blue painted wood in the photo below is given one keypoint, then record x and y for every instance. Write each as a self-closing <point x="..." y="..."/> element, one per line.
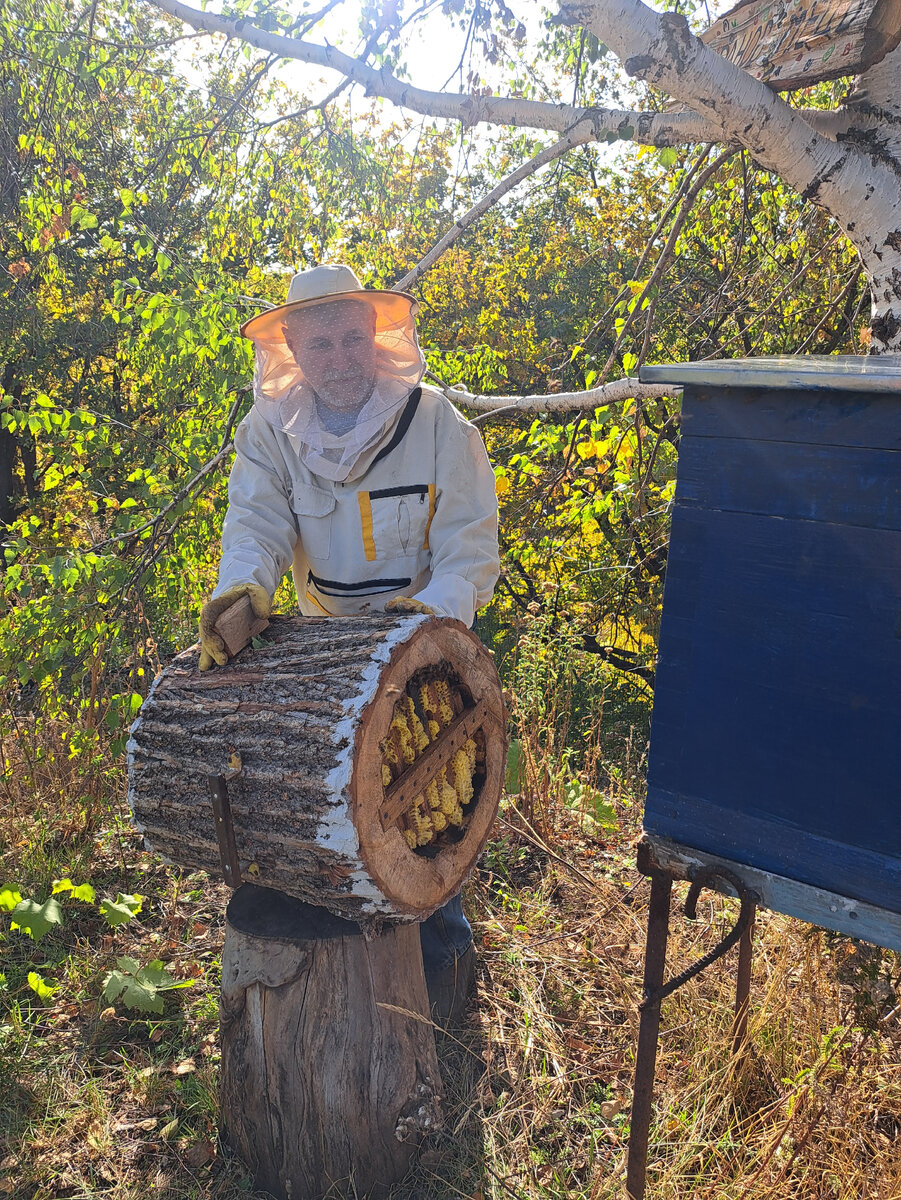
<point x="785" y="479"/>
<point x="773" y="844"/>
<point x="870" y="922"/>
<point x="776" y="737"/>
<point x="816" y="418"/>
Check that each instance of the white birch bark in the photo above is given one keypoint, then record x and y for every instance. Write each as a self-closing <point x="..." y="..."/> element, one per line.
<point x="856" y="179"/>
<point x="609" y="393"/>
<point x="647" y="128"/>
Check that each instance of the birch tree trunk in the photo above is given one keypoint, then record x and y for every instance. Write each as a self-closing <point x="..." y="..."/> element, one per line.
<point x="852" y="169"/>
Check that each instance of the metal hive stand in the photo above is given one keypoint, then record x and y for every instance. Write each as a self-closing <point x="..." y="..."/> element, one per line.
<point x="655" y="990"/>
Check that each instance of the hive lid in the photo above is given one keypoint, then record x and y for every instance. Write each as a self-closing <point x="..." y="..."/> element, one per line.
<point x="830" y="372"/>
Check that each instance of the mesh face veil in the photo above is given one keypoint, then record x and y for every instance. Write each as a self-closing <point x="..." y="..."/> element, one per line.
<point x="286" y="397"/>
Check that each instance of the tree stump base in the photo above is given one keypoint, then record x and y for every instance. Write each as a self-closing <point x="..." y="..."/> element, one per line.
<point x="329" y="1071"/>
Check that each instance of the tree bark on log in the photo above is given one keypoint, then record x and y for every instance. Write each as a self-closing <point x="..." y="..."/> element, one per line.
<point x="298" y="730"/>
<point x="329" y="1071"/>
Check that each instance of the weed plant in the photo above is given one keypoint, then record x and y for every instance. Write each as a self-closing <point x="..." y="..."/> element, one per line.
<point x="100" y="1099"/>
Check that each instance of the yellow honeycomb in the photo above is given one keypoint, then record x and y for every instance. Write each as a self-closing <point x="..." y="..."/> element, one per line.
<point x="446" y="797"/>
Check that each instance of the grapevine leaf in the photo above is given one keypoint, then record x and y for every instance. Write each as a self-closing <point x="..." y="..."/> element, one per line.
<point x="9" y="898"/>
<point x="43" y="990"/>
<point x="35" y="919"/>
<point x="121" y="910"/>
<point x="82" y="891"/>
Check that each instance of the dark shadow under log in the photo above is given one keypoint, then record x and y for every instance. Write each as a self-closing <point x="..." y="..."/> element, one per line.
<point x="329" y="1071"/>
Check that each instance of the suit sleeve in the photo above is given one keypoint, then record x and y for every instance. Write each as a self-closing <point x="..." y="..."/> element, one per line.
<point x="463" y="533"/>
<point x="259" y="532"/>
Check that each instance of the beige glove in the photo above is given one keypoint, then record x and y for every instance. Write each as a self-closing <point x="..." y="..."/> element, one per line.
<point x="212" y="647"/>
<point x="406" y="604"/>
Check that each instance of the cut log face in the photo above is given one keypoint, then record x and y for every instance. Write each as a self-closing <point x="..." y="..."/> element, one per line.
<point x="412" y="878"/>
<point x="329" y="805"/>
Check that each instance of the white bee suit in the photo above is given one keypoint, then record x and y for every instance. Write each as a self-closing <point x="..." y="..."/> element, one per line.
<point x="416" y="517"/>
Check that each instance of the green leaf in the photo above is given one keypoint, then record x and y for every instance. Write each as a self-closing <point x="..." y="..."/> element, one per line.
<point x="630" y="361"/>
<point x="35" y="919"/>
<point x="43" y="990"/>
<point x="9" y="898"/>
<point x="83" y="891"/>
<point x="591" y="803"/>
<point x="121" y="910"/>
<point x="667" y="157"/>
<point x="140" y="987"/>
<point x="515" y="769"/>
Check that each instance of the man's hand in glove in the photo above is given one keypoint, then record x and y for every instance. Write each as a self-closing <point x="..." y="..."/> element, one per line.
<point x="212" y="647"/>
<point x="406" y="604"/>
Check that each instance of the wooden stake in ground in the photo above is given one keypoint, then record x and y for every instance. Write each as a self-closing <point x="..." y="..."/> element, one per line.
<point x="364" y="759"/>
<point x="329" y="1071"/>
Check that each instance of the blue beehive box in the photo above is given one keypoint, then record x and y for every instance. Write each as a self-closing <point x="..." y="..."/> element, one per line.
<point x="776" y="735"/>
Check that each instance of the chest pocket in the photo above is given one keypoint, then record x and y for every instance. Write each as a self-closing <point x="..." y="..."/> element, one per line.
<point x="395" y="522"/>
<point x="313" y="509"/>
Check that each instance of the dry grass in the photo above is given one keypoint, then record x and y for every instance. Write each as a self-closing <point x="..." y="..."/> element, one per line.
<point x="99" y="1102"/>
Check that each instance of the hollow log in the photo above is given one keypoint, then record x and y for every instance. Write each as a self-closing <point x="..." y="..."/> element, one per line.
<point x="358" y="762"/>
<point x="329" y="1073"/>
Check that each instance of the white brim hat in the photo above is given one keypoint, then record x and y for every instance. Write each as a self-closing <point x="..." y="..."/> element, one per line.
<point x="325" y="284"/>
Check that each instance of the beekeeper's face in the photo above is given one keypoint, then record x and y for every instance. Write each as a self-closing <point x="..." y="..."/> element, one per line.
<point x="334" y="346"/>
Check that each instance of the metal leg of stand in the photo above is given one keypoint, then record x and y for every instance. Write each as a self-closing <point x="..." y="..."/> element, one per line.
<point x="648" y="1031"/>
<point x="743" y="989"/>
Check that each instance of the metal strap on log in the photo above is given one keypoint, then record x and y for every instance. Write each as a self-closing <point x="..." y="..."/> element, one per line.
<point x="222" y="816"/>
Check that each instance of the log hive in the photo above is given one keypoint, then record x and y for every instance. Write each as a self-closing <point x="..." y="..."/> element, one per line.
<point x="364" y="759"/>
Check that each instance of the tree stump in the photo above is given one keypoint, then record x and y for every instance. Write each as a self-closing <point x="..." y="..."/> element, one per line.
<point x="329" y="1072"/>
<point x="363" y="760"/>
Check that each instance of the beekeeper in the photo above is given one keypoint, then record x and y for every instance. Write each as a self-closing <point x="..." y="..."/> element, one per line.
<point x="372" y="488"/>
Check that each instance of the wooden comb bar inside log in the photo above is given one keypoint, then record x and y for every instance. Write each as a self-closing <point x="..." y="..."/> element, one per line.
<point x="238" y="626"/>
<point x="400" y="795"/>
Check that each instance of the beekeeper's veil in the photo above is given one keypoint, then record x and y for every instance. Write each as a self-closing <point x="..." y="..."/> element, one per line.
<point x="288" y="402"/>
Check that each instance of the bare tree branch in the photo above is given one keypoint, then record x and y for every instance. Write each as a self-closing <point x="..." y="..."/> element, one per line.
<point x="623" y="660"/>
<point x="648" y="128"/>
<point x="609" y="393"/>
<point x="478" y="210"/>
